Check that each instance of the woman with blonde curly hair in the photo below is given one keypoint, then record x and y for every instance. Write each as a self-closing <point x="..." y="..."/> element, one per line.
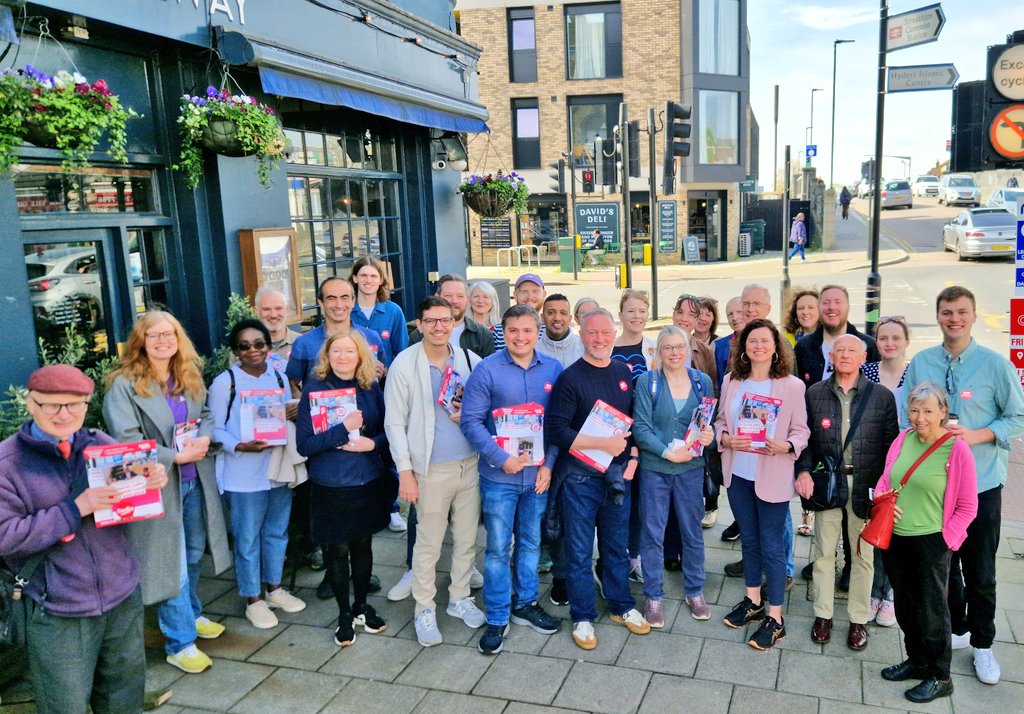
<point x="157" y="393"/>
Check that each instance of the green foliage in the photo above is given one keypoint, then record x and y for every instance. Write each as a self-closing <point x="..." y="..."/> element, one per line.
<point x="258" y="131"/>
<point x="507" y="187"/>
<point x="67" y="111"/>
<point x="239" y="308"/>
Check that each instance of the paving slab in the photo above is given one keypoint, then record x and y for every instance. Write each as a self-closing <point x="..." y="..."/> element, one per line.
<point x="600" y="688"/>
<point x="290" y="691"/>
<point x="610" y="639"/>
<point x="452" y="703"/>
<point x="747" y="700"/>
<point x="299" y="646"/>
<point x="240" y="639"/>
<point x="373" y="657"/>
<point x="711" y="629"/>
<point x="662" y="652"/>
<point x="221" y="687"/>
<point x="738" y="663"/>
<point x="524" y="678"/>
<point x="520" y="708"/>
<point x="972" y="697"/>
<point x="446" y="667"/>
<point x="817" y="676"/>
<point x="667" y="693"/>
<point x="525" y="640"/>
<point x="360" y="696"/>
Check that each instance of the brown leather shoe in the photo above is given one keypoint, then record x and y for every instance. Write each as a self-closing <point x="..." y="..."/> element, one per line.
<point x="821" y="632"/>
<point x="858" y="637"/>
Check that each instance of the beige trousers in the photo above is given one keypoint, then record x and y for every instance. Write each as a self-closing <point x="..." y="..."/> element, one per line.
<point x="827" y="527"/>
<point x="451" y="487"/>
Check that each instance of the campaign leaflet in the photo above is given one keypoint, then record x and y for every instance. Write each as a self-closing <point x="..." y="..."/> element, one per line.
<point x="261" y="416"/>
<point x="450" y="396"/>
<point x="124" y="466"/>
<point x="331" y="407"/>
<point x="757" y="419"/>
<point x="519" y="430"/>
<point x="603" y="420"/>
<point x="702" y="417"/>
<point x="186" y="431"/>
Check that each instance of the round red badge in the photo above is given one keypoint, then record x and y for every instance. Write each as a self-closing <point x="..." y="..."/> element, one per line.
<point x="966" y="395"/>
<point x="826" y="423"/>
<point x="385" y="334"/>
<point x="623" y="386"/>
<point x="547" y="386"/>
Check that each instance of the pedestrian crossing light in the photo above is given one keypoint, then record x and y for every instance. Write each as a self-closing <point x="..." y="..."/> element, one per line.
<point x="588" y="180"/>
<point x="557" y="176"/>
<point x="677" y="127"/>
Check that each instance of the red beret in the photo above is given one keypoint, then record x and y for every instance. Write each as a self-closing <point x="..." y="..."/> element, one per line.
<point x="60" y="379"/>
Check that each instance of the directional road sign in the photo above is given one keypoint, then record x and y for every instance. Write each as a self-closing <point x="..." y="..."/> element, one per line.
<point x="917" y="27"/>
<point x="922" y="77"/>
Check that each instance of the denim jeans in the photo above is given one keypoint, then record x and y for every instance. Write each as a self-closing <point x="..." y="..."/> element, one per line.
<point x="510" y="510"/>
<point x="586" y="504"/>
<point x="685" y="491"/>
<point x="787" y="543"/>
<point x="762" y="532"/>
<point x="797" y="248"/>
<point x="259" y="522"/>
<point x="881" y="588"/>
<point x="177" y="616"/>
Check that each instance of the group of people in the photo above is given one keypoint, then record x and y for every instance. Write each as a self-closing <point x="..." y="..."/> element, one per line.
<point x="613" y="448"/>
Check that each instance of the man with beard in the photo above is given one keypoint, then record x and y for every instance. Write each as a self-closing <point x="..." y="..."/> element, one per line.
<point x="812" y="352"/>
<point x="466" y="333"/>
<point x="558" y="340"/>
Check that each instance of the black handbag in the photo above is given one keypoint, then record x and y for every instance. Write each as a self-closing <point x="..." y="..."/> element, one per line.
<point x="829" y="482"/>
<point x="15" y="607"/>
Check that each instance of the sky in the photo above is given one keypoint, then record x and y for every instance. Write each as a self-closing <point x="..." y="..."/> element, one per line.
<point x="791" y="45"/>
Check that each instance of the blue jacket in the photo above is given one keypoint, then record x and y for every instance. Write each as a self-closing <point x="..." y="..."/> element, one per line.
<point x="328" y="465"/>
<point x="498" y="381"/>
<point x="306" y="349"/>
<point x="388" y="321"/>
<point x="656" y="422"/>
<point x="723" y="345"/>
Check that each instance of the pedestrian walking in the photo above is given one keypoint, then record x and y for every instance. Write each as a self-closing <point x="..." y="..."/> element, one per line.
<point x="798" y="237"/>
<point x="845" y="197"/>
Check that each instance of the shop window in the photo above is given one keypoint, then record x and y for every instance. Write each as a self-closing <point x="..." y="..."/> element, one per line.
<point x="719" y="135"/>
<point x="147" y="258"/>
<point x="593" y="41"/>
<point x="591" y="117"/>
<point x="522" y="45"/>
<point x="719" y="37"/>
<point x="526" y="134"/>
<point x="46" y="189"/>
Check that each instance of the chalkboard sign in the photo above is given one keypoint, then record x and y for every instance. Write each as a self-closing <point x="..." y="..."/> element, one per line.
<point x="496" y="232"/>
<point x="691" y="249"/>
<point x="667" y="226"/>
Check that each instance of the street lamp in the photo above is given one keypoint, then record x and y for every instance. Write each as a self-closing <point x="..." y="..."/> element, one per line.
<point x="810" y="129"/>
<point x="832" y="134"/>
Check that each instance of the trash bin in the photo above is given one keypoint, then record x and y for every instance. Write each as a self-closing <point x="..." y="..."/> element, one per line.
<point x="640" y="253"/>
<point x="756" y="230"/>
<point x="565" y="255"/>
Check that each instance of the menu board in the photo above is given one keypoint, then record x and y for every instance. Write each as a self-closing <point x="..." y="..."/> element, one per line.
<point x="496" y="232"/>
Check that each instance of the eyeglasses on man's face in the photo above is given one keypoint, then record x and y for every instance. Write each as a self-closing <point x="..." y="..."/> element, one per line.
<point x="53" y="409"/>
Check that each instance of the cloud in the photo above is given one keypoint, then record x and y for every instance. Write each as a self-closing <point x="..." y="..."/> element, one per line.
<point x="828" y="17"/>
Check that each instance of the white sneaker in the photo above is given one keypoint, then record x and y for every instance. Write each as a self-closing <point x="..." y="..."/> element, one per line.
<point x="397" y="524"/>
<point x="962" y="642"/>
<point x="476" y="579"/>
<point x="402" y="589"/>
<point x="584" y="636"/>
<point x="259" y="614"/>
<point x="426" y="629"/>
<point x="709" y="519"/>
<point x="284" y="600"/>
<point x="985" y="666"/>
<point x="886" y="616"/>
<point x="467" y="611"/>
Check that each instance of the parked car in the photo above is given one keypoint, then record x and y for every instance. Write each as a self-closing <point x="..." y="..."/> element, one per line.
<point x="926" y="186"/>
<point x="897" y="193"/>
<point x="64" y="286"/>
<point x="980" y="232"/>
<point x="959" y="189"/>
<point x="1005" y="198"/>
<point x="864" y="190"/>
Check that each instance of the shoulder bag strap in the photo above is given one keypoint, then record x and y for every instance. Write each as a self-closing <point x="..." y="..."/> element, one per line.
<point x="231" y="395"/>
<point x="855" y="422"/>
<point x="931" y="449"/>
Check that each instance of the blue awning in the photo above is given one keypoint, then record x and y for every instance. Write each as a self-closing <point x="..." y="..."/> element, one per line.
<point x="286" y="84"/>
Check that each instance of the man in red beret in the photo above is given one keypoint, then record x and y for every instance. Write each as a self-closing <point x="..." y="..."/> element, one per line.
<point x="85" y="631"/>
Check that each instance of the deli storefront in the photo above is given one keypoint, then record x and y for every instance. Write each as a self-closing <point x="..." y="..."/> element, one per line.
<point x="365" y="93"/>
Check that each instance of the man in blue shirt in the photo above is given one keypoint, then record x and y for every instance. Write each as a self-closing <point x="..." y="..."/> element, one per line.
<point x="513" y="489"/>
<point x="985" y="396"/>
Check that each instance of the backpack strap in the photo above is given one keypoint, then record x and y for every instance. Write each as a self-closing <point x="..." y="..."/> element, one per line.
<point x="231" y="394"/>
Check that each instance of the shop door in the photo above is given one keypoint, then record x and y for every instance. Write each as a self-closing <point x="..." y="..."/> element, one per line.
<point x="69" y="284"/>
<point x="707" y="221"/>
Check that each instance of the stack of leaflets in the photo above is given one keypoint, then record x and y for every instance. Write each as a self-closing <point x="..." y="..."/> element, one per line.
<point x="604" y="420"/>
<point x="185" y="432"/>
<point x="261" y="415"/>
<point x="450" y="396"/>
<point x="331" y="407"/>
<point x="702" y="417"/>
<point x="125" y="466"/>
<point x="757" y="419"/>
<point x="519" y="430"/>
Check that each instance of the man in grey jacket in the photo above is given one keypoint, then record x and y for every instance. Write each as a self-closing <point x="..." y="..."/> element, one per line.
<point x="558" y="340"/>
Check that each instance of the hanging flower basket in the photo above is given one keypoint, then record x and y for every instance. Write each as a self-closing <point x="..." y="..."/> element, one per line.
<point x="229" y="125"/>
<point x="493" y="195"/>
<point x="62" y="112"/>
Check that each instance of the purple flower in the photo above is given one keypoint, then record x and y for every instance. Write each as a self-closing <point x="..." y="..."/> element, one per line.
<point x="211" y="92"/>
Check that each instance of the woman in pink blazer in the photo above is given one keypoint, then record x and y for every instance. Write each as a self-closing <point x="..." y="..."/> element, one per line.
<point x="762" y="423"/>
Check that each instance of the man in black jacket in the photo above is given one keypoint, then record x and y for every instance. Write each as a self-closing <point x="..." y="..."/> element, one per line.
<point x="833" y="408"/>
<point x="812" y="351"/>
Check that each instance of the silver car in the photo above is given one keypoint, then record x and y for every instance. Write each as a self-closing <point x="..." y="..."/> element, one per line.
<point x="64" y="286"/>
<point x="959" y="189"/>
<point x="1005" y="198"/>
<point x="980" y="232"/>
<point x="897" y="193"/>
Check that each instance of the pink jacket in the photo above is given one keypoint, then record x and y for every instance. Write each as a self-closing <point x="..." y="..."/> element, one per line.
<point x="774" y="480"/>
<point x="960" y="505"/>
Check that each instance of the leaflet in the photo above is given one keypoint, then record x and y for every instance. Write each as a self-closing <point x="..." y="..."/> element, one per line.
<point x="331" y="407"/>
<point x="450" y="396"/>
<point x="519" y="430"/>
<point x="261" y="413"/>
<point x="125" y="466"/>
<point x="604" y="420"/>
<point x="703" y="416"/>
<point x="758" y="417"/>
<point x="186" y="431"/>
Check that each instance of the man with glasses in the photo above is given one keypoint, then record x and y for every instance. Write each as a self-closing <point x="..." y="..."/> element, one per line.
<point x="437" y="466"/>
<point x="466" y="333"/>
<point x="85" y="635"/>
<point x="734" y="314"/>
<point x="986" y="410"/>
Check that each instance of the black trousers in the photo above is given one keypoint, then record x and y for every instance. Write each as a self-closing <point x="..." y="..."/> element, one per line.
<point x="339" y="558"/>
<point x="972" y="573"/>
<point x="918" y="567"/>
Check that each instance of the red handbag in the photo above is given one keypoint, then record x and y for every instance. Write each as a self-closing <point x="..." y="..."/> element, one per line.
<point x="878" y="531"/>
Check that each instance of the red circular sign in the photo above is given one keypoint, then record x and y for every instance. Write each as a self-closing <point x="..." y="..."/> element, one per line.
<point x="826" y="423"/>
<point x="1007" y="132"/>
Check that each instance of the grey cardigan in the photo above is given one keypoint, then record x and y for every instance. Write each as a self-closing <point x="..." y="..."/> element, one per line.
<point x="656" y="422"/>
<point x="157" y="543"/>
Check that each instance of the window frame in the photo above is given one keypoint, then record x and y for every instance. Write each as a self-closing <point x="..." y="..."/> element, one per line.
<point x="521" y="154"/>
<point x="514" y="15"/>
<point x="611" y="103"/>
<point x="612" y="63"/>
<point x="702" y="145"/>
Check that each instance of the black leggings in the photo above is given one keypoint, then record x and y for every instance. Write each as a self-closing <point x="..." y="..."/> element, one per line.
<point x="338" y="557"/>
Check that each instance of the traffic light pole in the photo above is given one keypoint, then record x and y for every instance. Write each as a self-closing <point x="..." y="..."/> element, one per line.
<point x="655" y="234"/>
<point x="627" y="227"/>
<point x="785" y="232"/>
<point x="873" y="295"/>
<point x="570" y="164"/>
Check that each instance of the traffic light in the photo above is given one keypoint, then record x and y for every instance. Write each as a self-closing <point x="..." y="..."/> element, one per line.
<point x="604" y="161"/>
<point x="557" y="176"/>
<point x="676" y="127"/>
<point x="588" y="180"/>
<point x="633" y="139"/>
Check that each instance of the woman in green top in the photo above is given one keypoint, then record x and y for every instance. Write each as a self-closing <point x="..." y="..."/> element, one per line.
<point x="938" y="501"/>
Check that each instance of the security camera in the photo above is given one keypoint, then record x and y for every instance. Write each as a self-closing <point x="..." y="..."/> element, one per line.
<point x="440" y="164"/>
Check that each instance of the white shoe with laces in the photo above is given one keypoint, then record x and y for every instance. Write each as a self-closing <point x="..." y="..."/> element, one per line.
<point x="985" y="666"/>
<point x="962" y="642"/>
<point x="467" y="611"/>
<point x="284" y="600"/>
<point x="397" y="524"/>
<point x="426" y="629"/>
<point x="402" y="589"/>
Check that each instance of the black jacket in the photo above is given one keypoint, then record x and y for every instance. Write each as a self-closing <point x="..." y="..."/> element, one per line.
<point x="810" y="363"/>
<point x="879" y="427"/>
<point x="475" y="338"/>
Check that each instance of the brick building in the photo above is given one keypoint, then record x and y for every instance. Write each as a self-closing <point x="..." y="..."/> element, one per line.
<point x="552" y="77"/>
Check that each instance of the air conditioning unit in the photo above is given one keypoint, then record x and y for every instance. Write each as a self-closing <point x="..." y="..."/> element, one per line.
<point x="745" y="245"/>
